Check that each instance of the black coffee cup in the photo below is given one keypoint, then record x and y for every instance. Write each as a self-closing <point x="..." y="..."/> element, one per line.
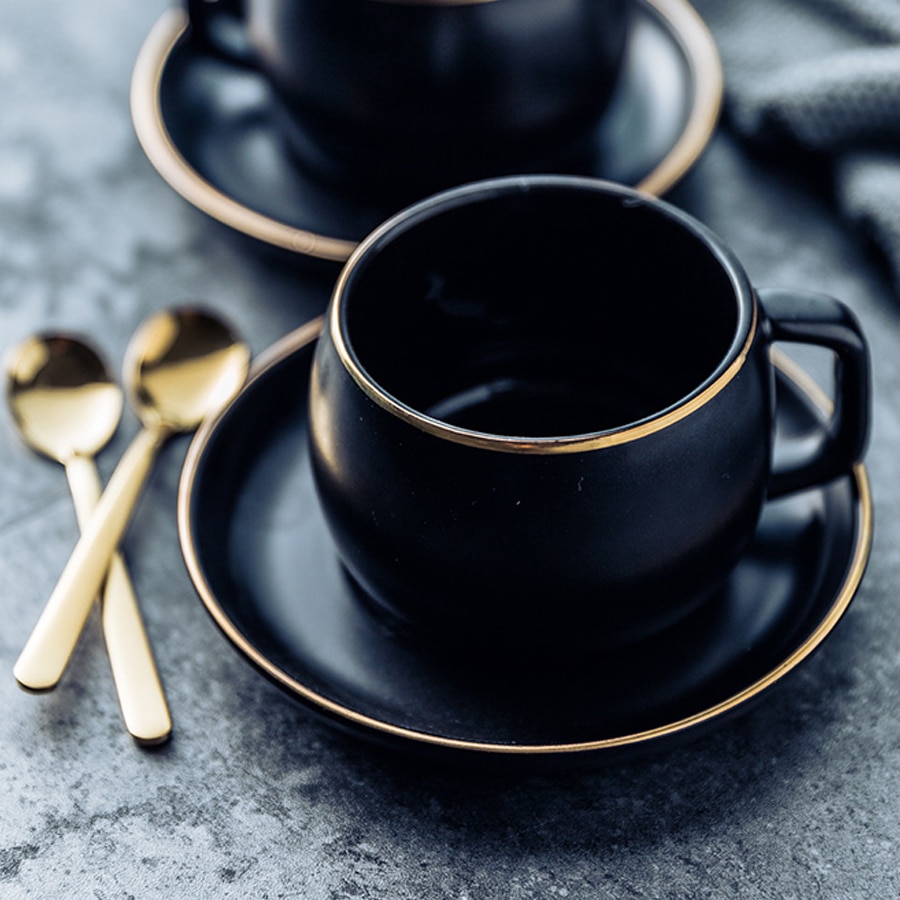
<point x="400" y="98"/>
<point x="542" y="414"/>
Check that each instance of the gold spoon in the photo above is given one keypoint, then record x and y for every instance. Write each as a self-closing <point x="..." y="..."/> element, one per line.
<point x="67" y="407"/>
<point x="181" y="366"/>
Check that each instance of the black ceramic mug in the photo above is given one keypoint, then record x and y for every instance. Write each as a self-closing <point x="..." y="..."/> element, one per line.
<point x="542" y="413"/>
<point x="404" y="97"/>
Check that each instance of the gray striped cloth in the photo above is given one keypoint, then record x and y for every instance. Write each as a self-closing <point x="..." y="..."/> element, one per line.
<point x="823" y="75"/>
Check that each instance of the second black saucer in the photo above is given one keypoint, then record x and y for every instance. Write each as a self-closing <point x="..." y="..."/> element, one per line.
<point x="208" y="128"/>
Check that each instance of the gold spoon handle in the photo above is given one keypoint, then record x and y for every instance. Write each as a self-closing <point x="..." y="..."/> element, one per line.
<point x="46" y="653"/>
<point x="138" y="686"/>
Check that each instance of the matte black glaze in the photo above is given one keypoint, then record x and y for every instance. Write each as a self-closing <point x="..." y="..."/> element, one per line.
<point x="406" y="98"/>
<point x="269" y="574"/>
<point x="573" y="289"/>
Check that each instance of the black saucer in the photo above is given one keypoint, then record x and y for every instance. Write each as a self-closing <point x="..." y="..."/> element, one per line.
<point x="207" y="127"/>
<point x="260" y="557"/>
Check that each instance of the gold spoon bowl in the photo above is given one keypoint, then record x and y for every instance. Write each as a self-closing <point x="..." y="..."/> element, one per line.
<point x="61" y="397"/>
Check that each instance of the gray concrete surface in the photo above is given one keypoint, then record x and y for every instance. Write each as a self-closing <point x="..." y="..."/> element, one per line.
<point x="253" y="797"/>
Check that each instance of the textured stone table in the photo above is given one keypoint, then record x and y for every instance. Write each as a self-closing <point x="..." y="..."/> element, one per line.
<point x="255" y="798"/>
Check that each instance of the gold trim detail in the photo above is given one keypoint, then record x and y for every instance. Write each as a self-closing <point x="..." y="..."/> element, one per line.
<point x="685" y="25"/>
<point x="298" y="339"/>
<point x="146" y="114"/>
<point x="578" y="443"/>
<point x="703" y="58"/>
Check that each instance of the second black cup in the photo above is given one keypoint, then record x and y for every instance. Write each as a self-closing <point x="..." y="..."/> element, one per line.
<point x="400" y="98"/>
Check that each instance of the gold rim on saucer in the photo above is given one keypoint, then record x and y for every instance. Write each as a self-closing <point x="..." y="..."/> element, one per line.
<point x="685" y="25"/>
<point x="301" y="338"/>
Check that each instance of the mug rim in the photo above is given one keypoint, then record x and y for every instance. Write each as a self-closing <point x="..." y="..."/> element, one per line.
<point x="730" y="365"/>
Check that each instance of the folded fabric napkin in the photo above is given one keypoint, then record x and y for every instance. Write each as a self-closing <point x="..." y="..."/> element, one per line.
<point x="824" y="76"/>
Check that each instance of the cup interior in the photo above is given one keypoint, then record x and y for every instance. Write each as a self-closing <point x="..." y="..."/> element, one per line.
<point x="553" y="310"/>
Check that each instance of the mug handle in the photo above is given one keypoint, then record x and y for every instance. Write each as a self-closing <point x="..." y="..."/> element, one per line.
<point x="807" y="318"/>
<point x="217" y="27"/>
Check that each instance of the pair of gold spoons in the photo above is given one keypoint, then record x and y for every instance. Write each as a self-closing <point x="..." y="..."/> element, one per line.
<point x="181" y="366"/>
